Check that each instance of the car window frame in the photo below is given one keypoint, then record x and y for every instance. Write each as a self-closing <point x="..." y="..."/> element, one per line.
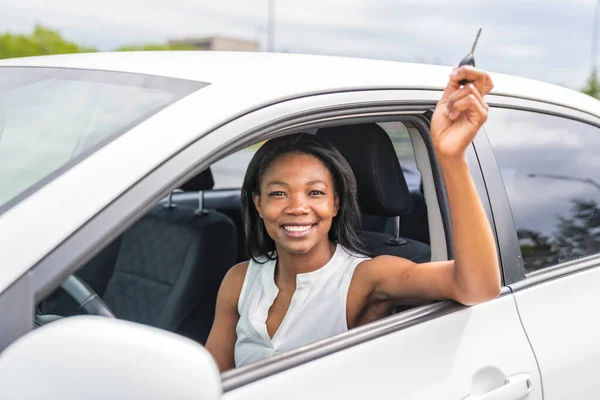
<point x="266" y="122"/>
<point x="498" y="197"/>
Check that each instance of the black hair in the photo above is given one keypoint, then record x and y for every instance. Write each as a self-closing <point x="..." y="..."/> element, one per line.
<point x="345" y="228"/>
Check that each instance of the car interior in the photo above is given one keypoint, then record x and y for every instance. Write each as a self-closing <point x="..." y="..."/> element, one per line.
<point x="165" y="270"/>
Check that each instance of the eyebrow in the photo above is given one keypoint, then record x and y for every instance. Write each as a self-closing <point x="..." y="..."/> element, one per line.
<point x="315" y="182"/>
<point x="274" y="183"/>
<point x="281" y="183"/>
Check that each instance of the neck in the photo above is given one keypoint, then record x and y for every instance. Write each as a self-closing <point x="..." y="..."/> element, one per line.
<point x="289" y="265"/>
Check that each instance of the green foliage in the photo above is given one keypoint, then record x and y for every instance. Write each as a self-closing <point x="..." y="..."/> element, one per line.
<point x="592" y="87"/>
<point x="42" y="41"/>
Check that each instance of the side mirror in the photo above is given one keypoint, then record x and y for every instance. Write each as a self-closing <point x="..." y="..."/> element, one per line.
<point x="91" y="357"/>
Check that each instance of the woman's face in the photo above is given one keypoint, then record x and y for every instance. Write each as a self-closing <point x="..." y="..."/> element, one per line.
<point x="297" y="202"/>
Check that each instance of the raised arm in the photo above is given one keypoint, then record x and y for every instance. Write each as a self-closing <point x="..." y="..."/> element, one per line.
<point x="473" y="276"/>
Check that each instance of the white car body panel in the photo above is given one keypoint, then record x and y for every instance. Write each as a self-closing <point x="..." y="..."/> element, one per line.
<point x="563" y="324"/>
<point x="276" y="76"/>
<point x="437" y="359"/>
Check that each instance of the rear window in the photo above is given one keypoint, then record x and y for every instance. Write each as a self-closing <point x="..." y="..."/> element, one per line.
<point x="52" y="118"/>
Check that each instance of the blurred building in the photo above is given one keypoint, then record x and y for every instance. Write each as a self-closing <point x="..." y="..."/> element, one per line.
<point x="218" y="43"/>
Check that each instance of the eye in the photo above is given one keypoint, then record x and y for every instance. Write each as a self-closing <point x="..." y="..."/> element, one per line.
<point x="276" y="194"/>
<point x="316" y="193"/>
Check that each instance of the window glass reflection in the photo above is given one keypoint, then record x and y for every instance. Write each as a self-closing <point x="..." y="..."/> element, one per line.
<point x="551" y="169"/>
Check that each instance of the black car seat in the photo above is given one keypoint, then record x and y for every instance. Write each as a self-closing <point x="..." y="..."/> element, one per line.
<point x="165" y="266"/>
<point x="382" y="188"/>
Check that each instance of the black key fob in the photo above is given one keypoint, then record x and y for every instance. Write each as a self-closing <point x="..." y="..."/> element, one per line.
<point x="469" y="59"/>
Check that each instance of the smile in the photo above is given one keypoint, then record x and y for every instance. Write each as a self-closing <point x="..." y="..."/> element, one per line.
<point x="297" y="230"/>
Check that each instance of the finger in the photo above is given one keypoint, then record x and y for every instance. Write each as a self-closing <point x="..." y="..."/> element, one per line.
<point x="451" y="87"/>
<point x="468" y="89"/>
<point x="471" y="104"/>
<point x="481" y="79"/>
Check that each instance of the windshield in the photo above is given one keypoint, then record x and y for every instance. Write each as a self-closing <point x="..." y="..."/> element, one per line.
<point x="52" y="118"/>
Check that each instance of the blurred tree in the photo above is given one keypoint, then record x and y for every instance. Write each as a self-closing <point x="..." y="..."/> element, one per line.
<point x="45" y="41"/>
<point x="536" y="249"/>
<point x="579" y="235"/>
<point x="592" y="87"/>
<point x="42" y="41"/>
<point x="576" y="235"/>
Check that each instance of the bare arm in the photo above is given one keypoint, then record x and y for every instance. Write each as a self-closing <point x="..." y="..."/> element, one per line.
<point x="222" y="337"/>
<point x="474" y="275"/>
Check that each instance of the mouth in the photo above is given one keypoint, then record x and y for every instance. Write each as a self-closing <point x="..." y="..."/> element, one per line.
<point x="296" y="230"/>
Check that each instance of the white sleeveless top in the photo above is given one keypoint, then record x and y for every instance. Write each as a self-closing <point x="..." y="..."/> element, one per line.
<point x="317" y="310"/>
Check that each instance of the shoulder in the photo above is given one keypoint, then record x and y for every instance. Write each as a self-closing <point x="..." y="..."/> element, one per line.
<point x="233" y="281"/>
<point x="237" y="272"/>
<point x="379" y="262"/>
<point x="351" y="256"/>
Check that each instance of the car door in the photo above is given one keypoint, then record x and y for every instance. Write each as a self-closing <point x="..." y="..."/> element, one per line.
<point x="550" y="170"/>
<point x="442" y="350"/>
<point x="438" y="351"/>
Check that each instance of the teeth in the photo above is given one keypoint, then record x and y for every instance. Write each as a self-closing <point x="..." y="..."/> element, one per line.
<point x="296" y="228"/>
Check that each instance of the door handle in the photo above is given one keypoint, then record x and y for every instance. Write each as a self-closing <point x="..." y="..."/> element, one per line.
<point x="517" y="387"/>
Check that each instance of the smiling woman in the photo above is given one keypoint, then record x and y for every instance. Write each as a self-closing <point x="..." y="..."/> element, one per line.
<point x="309" y="276"/>
<point x="302" y="212"/>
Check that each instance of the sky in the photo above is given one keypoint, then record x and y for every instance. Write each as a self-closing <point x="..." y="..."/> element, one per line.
<point x="540" y="39"/>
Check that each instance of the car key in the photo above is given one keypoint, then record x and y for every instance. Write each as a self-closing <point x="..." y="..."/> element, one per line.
<point x="469" y="59"/>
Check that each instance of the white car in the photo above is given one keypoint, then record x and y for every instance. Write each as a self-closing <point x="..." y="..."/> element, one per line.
<point x="119" y="199"/>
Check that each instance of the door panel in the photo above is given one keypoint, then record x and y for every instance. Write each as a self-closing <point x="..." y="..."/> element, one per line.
<point x="563" y="324"/>
<point x="549" y="181"/>
<point x="437" y="359"/>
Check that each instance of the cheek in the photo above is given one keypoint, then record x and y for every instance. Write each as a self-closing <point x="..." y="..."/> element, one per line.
<point x="271" y="210"/>
<point x="326" y="209"/>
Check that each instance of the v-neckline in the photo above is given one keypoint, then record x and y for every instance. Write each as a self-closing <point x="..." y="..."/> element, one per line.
<point x="302" y="279"/>
<point x="275" y="292"/>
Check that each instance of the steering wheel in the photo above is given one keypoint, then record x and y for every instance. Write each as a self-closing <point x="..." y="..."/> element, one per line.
<point x="85" y="298"/>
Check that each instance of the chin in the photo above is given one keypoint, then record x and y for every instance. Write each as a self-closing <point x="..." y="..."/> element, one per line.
<point x="298" y="248"/>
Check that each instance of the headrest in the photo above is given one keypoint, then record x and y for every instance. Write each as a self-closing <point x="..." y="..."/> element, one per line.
<point x="382" y="189"/>
<point x="202" y="181"/>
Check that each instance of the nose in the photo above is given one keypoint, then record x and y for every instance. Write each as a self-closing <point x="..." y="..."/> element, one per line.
<point x="297" y="205"/>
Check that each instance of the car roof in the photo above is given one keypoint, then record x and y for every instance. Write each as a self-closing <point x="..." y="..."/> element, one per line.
<point x="276" y="76"/>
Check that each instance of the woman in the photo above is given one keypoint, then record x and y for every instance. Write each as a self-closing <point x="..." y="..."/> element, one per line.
<point x="308" y="278"/>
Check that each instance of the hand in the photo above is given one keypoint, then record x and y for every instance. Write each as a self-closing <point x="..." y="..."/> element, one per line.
<point x="460" y="112"/>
